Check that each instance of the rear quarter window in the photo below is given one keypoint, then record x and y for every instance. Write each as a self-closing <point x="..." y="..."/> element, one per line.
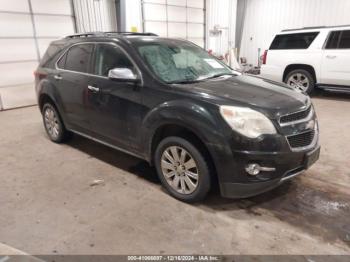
<point x="51" y="54"/>
<point x="293" y="41"/>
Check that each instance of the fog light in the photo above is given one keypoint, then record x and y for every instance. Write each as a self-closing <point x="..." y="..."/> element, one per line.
<point x="253" y="169"/>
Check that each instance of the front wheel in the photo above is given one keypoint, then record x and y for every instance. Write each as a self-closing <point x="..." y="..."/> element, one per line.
<point x="182" y="169"/>
<point x="300" y="79"/>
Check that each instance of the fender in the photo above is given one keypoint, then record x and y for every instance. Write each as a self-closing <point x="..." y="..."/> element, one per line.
<point x="45" y="87"/>
<point x="315" y="67"/>
<point x="185" y="113"/>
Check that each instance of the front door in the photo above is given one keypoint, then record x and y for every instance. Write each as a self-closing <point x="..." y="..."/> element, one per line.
<point x="335" y="68"/>
<point x="113" y="105"/>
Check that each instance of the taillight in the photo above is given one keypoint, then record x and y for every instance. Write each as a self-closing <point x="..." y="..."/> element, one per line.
<point x="39" y="75"/>
<point x="264" y="57"/>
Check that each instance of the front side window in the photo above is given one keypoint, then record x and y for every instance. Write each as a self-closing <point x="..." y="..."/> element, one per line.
<point x="108" y="57"/>
<point x="77" y="58"/>
<point x="180" y="61"/>
<point x="293" y="41"/>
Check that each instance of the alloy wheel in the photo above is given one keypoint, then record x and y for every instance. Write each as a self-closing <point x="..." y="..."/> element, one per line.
<point x="51" y="122"/>
<point x="180" y="169"/>
<point x="299" y="81"/>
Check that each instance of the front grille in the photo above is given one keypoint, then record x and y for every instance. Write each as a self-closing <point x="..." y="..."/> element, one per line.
<point x="302" y="139"/>
<point x="295" y="116"/>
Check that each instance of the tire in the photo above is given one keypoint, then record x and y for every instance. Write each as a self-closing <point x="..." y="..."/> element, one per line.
<point x="53" y="124"/>
<point x="179" y="176"/>
<point x="302" y="79"/>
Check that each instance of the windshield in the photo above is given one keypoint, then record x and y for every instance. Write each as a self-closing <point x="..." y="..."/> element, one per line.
<point x="181" y="62"/>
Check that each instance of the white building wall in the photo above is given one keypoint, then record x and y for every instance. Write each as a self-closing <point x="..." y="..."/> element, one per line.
<point x="218" y="12"/>
<point x="133" y="15"/>
<point x="221" y="13"/>
<point x="26" y="29"/>
<point x="175" y="18"/>
<point x="95" y="15"/>
<point x="265" y="18"/>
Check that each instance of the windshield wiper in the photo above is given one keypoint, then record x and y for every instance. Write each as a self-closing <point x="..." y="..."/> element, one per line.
<point x="218" y="75"/>
<point x="184" y="81"/>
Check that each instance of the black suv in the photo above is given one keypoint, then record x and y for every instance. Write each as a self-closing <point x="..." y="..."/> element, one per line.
<point x="171" y="103"/>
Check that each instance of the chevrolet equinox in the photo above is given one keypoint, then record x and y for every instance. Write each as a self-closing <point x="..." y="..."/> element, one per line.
<point x="171" y="103"/>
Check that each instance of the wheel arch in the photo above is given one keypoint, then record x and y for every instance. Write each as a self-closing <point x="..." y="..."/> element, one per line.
<point x="306" y="67"/>
<point x="47" y="98"/>
<point x="43" y="99"/>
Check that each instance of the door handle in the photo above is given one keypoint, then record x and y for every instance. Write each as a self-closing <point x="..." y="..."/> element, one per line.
<point x="57" y="77"/>
<point x="331" y="56"/>
<point x="93" y="89"/>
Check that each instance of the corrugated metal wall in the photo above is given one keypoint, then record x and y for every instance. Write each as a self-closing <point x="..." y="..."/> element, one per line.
<point x="95" y="15"/>
<point x="173" y="18"/>
<point x="265" y="18"/>
<point x="221" y="13"/>
<point x="218" y="12"/>
<point x="26" y="29"/>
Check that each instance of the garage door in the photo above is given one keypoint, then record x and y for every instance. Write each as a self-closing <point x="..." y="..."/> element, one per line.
<point x="175" y="18"/>
<point x="26" y="29"/>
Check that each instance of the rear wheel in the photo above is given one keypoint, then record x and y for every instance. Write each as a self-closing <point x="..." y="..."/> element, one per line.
<point x="300" y="79"/>
<point x="53" y="124"/>
<point x="182" y="169"/>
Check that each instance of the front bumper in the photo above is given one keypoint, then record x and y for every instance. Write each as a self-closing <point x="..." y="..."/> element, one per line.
<point x="288" y="166"/>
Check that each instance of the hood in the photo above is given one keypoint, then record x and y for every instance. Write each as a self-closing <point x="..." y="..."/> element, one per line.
<point x="271" y="98"/>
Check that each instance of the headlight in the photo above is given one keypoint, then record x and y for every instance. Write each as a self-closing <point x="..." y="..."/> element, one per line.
<point x="246" y="121"/>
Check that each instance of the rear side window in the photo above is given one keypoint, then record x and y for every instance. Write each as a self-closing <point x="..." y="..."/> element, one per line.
<point x="62" y="62"/>
<point x="339" y="40"/>
<point x="78" y="58"/>
<point x="293" y="41"/>
<point x="333" y="40"/>
<point x="344" y="40"/>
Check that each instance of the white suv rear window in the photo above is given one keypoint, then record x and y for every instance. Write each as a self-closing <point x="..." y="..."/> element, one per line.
<point x="293" y="41"/>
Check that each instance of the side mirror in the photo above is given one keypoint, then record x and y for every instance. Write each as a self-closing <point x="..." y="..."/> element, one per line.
<point x="122" y="74"/>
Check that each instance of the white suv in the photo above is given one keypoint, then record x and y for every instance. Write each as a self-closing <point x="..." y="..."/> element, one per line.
<point x="310" y="57"/>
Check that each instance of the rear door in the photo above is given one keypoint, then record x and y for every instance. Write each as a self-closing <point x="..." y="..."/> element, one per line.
<point x="72" y="80"/>
<point x="335" y="69"/>
<point x="113" y="106"/>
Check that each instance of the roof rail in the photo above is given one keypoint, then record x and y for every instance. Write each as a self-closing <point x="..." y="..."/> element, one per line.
<point x="88" y="34"/>
<point x="304" y="28"/>
<point x="92" y="34"/>
<point x="131" y="33"/>
<point x="314" y="27"/>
